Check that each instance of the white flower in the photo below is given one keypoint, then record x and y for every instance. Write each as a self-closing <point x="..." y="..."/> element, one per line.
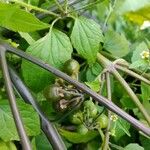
<point x="145" y="55"/>
<point x="113" y="117"/>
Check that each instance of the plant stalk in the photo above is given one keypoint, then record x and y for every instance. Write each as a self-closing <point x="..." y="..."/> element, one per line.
<point x="31" y="7"/>
<point x="106" y="138"/>
<point x="133" y="74"/>
<point x="102" y="100"/>
<point x="111" y="68"/>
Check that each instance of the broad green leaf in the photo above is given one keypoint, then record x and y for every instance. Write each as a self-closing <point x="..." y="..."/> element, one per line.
<point x="137" y="60"/>
<point x="7" y="145"/>
<point x="30" y="119"/>
<point x="42" y="143"/>
<point x="116" y="43"/>
<point x="93" y="71"/>
<point x="133" y="146"/>
<point x="121" y="128"/>
<point x="54" y="49"/>
<point x="16" y="19"/>
<point x="86" y="37"/>
<point x="94" y="85"/>
<point x="139" y="49"/>
<point x="127" y="102"/>
<point x="78" y="137"/>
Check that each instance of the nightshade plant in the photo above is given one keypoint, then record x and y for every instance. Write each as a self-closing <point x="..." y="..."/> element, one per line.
<point x="95" y="105"/>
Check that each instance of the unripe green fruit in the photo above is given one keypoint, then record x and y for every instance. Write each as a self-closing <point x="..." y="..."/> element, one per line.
<point x="71" y="67"/>
<point x="77" y="118"/>
<point x="102" y="121"/>
<point x="52" y="93"/>
<point x="91" y="108"/>
<point x="82" y="129"/>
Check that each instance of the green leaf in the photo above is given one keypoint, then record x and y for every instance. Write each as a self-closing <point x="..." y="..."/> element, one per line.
<point x="42" y="143"/>
<point x="54" y="49"/>
<point x="116" y="43"/>
<point x="127" y="102"/>
<point x="139" y="49"/>
<point x="86" y="37"/>
<point x="133" y="146"/>
<point x="16" y="19"/>
<point x="137" y="61"/>
<point x="121" y="128"/>
<point x="145" y="142"/>
<point x="7" y="145"/>
<point x="94" y="85"/>
<point x="93" y="71"/>
<point x="145" y="89"/>
<point x="30" y="119"/>
<point x="78" y="137"/>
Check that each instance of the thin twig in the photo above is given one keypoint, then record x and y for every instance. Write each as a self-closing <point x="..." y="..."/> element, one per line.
<point x="59" y="6"/>
<point x="102" y="100"/>
<point x="111" y="68"/>
<point x="47" y="127"/>
<point x="133" y="74"/>
<point x="12" y="100"/>
<point x="34" y="8"/>
<point x="106" y="138"/>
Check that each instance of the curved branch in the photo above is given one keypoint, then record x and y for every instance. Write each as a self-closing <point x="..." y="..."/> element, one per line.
<point x="48" y="128"/>
<point x="12" y="101"/>
<point x="102" y="100"/>
<point x="111" y="68"/>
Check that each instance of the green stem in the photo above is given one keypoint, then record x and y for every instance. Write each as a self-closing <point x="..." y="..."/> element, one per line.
<point x="108" y="86"/>
<point x="116" y="146"/>
<point x="111" y="8"/>
<point x="31" y="7"/>
<point x="59" y="6"/>
<point x="133" y="74"/>
<point x="66" y="6"/>
<point x="101" y="133"/>
<point x="110" y="66"/>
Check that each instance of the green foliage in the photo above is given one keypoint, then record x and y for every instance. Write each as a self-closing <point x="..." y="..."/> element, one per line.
<point x="137" y="61"/>
<point x="93" y="71"/>
<point x="75" y="137"/>
<point x="94" y="85"/>
<point x="116" y="43"/>
<point x="120" y="127"/>
<point x="133" y="146"/>
<point x="54" y="49"/>
<point x="127" y="102"/>
<point x="16" y="19"/>
<point x="145" y="142"/>
<point x="7" y="145"/>
<point x="86" y="37"/>
<point x="8" y="130"/>
<point x="84" y="42"/>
